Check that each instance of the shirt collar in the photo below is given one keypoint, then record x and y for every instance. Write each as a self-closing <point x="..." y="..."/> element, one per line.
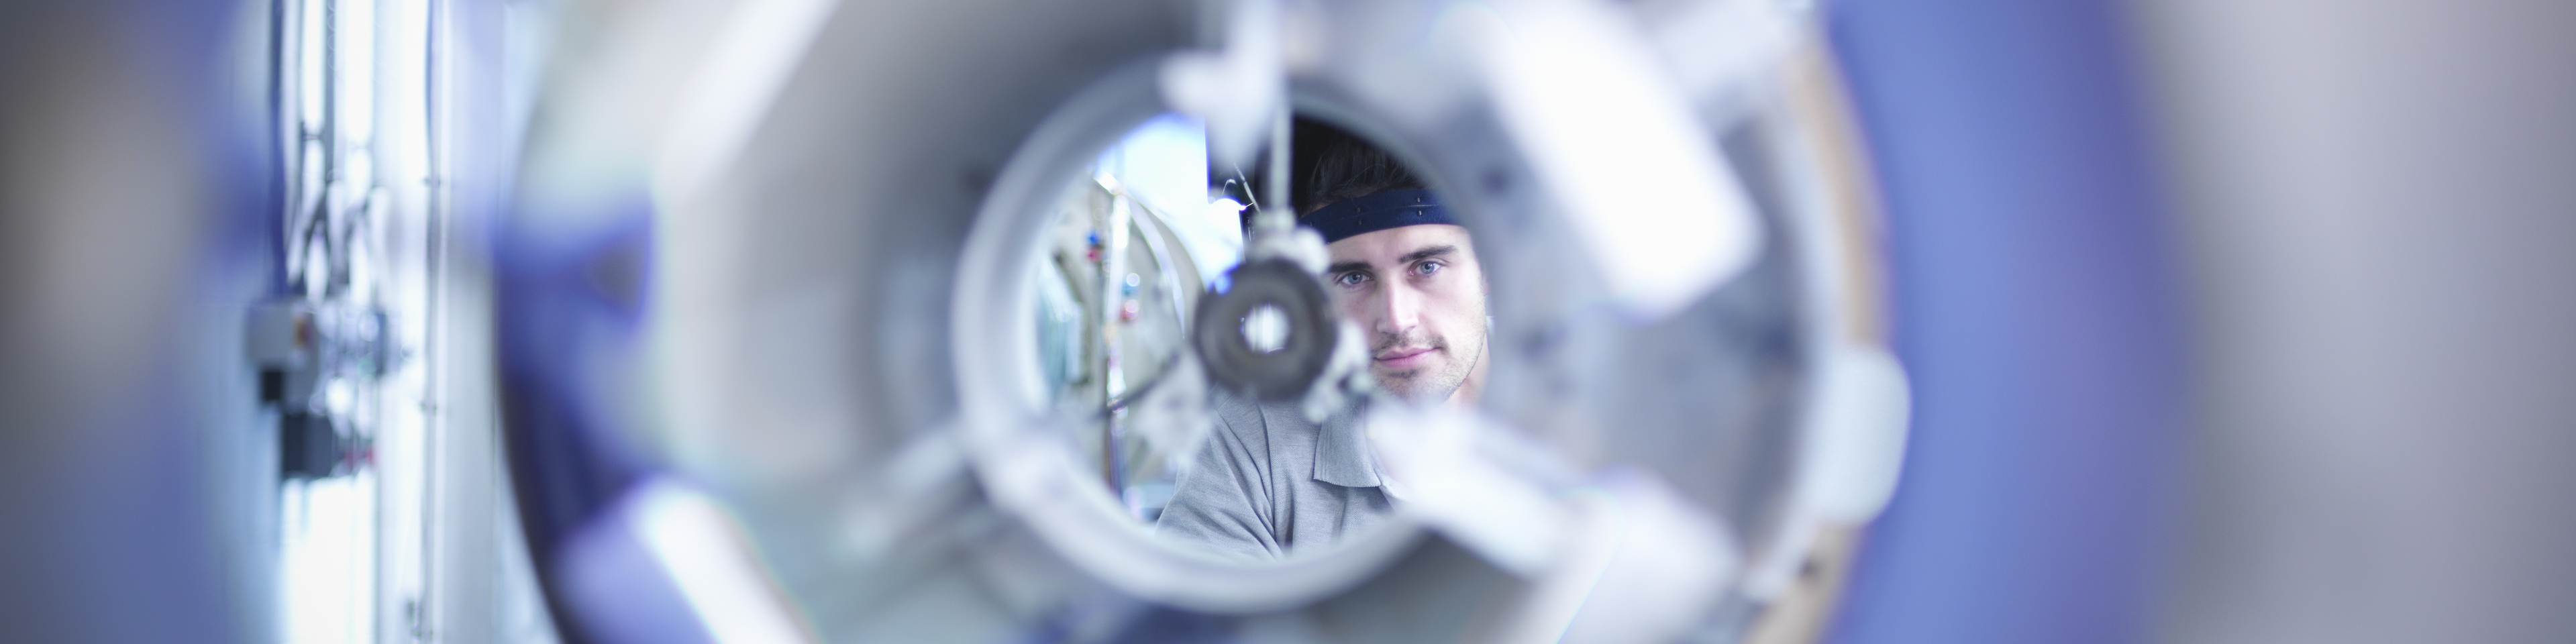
<point x="1341" y="453"/>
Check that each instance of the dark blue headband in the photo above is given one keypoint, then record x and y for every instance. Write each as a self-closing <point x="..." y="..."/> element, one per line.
<point x="1390" y="209"/>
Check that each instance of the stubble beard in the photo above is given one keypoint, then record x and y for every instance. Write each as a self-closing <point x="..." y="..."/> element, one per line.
<point x="1426" y="384"/>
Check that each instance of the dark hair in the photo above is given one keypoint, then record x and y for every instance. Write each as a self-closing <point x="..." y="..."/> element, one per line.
<point x="1329" y="164"/>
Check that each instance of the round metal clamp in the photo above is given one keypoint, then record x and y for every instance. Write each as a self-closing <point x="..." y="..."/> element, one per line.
<point x="1278" y="375"/>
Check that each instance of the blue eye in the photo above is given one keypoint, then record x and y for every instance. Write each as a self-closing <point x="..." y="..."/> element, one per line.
<point x="1427" y="268"/>
<point x="1350" y="279"/>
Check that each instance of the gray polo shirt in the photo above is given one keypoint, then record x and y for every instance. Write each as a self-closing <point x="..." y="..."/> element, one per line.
<point x="1267" y="483"/>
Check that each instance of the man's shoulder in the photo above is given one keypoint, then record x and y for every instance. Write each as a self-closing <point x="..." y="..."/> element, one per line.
<point x="1237" y="414"/>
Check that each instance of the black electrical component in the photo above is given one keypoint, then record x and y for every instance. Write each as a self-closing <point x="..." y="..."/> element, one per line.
<point x="308" y="446"/>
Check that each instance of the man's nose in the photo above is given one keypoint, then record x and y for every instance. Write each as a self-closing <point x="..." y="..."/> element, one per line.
<point x="1400" y="309"/>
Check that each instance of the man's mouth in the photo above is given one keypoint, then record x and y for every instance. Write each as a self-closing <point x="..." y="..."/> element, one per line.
<point x="1404" y="358"/>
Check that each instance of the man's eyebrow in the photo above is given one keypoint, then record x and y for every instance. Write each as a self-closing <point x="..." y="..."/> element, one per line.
<point x="1427" y="253"/>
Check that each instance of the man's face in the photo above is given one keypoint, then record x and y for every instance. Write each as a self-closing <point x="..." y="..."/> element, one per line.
<point x="1420" y="296"/>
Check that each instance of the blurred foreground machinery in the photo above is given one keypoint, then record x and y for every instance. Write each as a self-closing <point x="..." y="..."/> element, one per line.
<point x="764" y="319"/>
<point x="2222" y="321"/>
